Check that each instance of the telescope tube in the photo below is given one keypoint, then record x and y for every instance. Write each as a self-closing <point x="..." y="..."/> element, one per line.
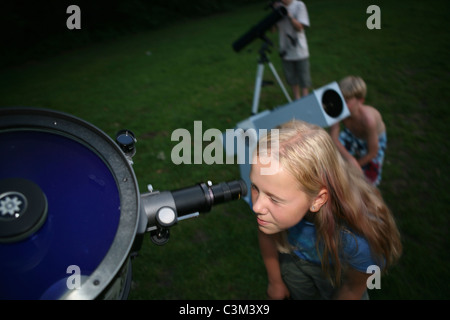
<point x="258" y="30"/>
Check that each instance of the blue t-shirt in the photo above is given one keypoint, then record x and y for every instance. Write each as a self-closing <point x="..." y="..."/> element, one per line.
<point x="356" y="251"/>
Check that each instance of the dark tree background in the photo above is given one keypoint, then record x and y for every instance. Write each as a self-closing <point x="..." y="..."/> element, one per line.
<point x="34" y="29"/>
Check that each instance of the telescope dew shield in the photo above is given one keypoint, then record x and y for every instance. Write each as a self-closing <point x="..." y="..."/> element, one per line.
<point x="258" y="30"/>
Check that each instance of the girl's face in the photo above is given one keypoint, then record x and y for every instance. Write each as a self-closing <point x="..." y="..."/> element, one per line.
<point x="277" y="200"/>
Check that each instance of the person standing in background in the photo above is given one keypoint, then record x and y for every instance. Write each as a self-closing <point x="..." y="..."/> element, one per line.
<point x="293" y="46"/>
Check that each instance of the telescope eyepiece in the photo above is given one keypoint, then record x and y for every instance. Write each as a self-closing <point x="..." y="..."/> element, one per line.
<point x="201" y="197"/>
<point x="228" y="191"/>
<point x="164" y="209"/>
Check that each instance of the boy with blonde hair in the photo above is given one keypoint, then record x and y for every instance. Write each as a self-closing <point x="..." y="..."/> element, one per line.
<point x="363" y="139"/>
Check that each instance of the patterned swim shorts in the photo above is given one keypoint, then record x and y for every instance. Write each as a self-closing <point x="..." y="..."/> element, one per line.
<point x="358" y="148"/>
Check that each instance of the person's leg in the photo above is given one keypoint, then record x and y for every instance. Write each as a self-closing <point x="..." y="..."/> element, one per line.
<point x="305" y="76"/>
<point x="305" y="92"/>
<point x="296" y="91"/>
<point x="290" y="74"/>
<point x="304" y="279"/>
<point x="301" y="287"/>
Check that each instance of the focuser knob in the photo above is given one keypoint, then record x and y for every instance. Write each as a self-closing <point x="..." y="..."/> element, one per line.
<point x="126" y="141"/>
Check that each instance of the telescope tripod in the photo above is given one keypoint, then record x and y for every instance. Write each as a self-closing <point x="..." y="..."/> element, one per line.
<point x="263" y="60"/>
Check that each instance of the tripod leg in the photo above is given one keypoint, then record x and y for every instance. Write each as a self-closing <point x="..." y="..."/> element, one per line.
<point x="258" y="84"/>
<point x="275" y="74"/>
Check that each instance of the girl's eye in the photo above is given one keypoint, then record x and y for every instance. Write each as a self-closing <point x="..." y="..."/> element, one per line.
<point x="275" y="200"/>
<point x="254" y="187"/>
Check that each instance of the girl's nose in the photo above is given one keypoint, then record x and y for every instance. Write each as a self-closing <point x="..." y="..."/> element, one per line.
<point x="258" y="205"/>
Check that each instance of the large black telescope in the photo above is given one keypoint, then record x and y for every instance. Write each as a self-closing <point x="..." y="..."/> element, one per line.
<point x="71" y="214"/>
<point x="258" y="30"/>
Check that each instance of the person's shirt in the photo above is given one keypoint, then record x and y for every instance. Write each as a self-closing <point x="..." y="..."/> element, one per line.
<point x="293" y="43"/>
<point x="355" y="248"/>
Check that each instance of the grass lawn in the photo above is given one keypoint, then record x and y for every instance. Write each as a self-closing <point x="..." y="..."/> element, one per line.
<point x="157" y="81"/>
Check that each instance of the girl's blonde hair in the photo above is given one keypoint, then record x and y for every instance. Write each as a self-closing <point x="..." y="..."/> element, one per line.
<point x="309" y="154"/>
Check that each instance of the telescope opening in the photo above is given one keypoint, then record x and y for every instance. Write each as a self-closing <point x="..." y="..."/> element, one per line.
<point x="332" y="103"/>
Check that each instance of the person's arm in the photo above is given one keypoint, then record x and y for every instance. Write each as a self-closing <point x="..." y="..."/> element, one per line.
<point x="372" y="143"/>
<point x="298" y="26"/>
<point x="300" y="19"/>
<point x="334" y="133"/>
<point x="353" y="286"/>
<point x="276" y="288"/>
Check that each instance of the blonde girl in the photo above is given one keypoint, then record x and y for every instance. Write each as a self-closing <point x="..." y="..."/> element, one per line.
<point x="322" y="227"/>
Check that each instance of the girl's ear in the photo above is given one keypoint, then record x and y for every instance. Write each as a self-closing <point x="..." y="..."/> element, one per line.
<point x="319" y="200"/>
